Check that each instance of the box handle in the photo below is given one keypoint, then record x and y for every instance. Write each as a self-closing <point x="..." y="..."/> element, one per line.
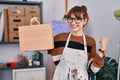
<point x="16" y="11"/>
<point x="16" y="20"/>
<point x="15" y="29"/>
<point x="32" y="12"/>
<point x="15" y="37"/>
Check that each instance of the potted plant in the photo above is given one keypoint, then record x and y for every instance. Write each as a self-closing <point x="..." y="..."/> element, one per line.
<point x="107" y="72"/>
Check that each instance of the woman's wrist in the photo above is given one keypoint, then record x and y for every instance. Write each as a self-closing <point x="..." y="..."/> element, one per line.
<point x="101" y="55"/>
<point x="102" y="52"/>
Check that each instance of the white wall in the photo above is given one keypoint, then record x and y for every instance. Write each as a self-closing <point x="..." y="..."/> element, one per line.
<point x="101" y="23"/>
<point x="53" y="9"/>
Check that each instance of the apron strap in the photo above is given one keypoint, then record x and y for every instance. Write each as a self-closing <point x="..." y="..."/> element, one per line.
<point x="68" y="40"/>
<point x="84" y="39"/>
<point x="85" y="44"/>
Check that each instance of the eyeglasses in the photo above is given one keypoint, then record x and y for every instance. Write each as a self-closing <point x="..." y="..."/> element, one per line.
<point x="76" y="20"/>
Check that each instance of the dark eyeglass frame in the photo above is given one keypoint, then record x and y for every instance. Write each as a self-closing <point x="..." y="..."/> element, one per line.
<point x="76" y="20"/>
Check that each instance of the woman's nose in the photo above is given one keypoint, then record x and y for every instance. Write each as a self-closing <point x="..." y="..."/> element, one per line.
<point x="73" y="22"/>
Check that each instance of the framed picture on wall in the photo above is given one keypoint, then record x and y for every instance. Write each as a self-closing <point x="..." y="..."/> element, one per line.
<point x="29" y="74"/>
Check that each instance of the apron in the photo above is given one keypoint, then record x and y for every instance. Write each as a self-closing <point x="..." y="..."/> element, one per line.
<point x="73" y="63"/>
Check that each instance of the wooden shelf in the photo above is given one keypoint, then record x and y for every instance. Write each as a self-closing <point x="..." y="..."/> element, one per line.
<point x="9" y="42"/>
<point x="32" y="3"/>
<point x="20" y="67"/>
<point x="24" y="3"/>
<point x="21" y="3"/>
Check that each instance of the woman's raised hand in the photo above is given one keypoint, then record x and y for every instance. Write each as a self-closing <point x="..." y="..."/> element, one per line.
<point x="34" y="21"/>
<point x="103" y="42"/>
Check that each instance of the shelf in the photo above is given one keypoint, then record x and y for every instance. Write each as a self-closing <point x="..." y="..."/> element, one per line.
<point x="33" y="3"/>
<point x="21" y="2"/>
<point x="9" y="42"/>
<point x="24" y="2"/>
<point x="21" y="67"/>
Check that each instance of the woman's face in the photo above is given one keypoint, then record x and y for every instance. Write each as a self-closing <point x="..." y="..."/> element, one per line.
<point x="76" y="24"/>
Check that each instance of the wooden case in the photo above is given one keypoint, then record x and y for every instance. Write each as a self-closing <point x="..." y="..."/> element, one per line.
<point x="27" y="19"/>
<point x="13" y="37"/>
<point x="36" y="37"/>
<point x="15" y="20"/>
<point x="32" y="11"/>
<point x="16" y="11"/>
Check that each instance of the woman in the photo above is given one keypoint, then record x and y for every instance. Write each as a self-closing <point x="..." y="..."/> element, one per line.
<point x="74" y="52"/>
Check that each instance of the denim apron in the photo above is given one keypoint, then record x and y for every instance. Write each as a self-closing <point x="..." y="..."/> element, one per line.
<point x="73" y="63"/>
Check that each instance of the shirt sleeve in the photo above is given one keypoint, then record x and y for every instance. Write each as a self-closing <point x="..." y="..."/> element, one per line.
<point x="95" y="61"/>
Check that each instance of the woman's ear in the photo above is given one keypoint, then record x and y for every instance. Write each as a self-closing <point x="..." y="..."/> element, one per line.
<point x="85" y="21"/>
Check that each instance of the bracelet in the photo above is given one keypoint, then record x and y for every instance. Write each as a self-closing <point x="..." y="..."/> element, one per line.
<point x="102" y="51"/>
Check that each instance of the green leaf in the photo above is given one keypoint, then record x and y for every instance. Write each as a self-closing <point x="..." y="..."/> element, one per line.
<point x="108" y="71"/>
